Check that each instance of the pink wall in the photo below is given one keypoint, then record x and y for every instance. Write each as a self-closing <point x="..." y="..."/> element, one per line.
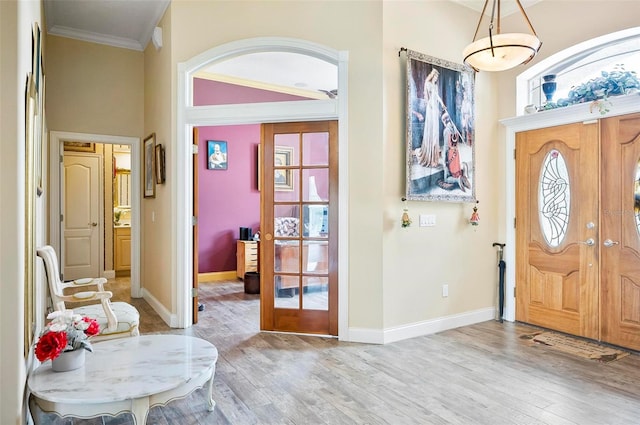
<point x="229" y="199"/>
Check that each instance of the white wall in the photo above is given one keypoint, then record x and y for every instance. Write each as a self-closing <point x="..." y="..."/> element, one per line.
<point x="16" y="19"/>
<point x="419" y="260"/>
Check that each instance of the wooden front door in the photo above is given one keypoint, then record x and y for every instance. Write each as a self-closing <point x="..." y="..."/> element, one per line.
<point x="299" y="228"/>
<point x="620" y="244"/>
<point x="557" y="228"/>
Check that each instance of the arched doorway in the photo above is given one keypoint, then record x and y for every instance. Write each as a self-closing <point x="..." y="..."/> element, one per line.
<point x="189" y="116"/>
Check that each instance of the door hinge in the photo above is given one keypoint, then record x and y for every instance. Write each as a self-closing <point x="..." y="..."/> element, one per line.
<point x="194" y="220"/>
<point x="514" y="292"/>
<point x="194" y="149"/>
<point x="514" y="154"/>
<point x="194" y="292"/>
<point x="61" y="158"/>
<point x="61" y="218"/>
<point x="514" y="222"/>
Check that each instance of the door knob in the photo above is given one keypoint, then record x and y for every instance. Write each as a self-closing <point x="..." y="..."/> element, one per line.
<point x="94" y="224"/>
<point x="588" y="242"/>
<point x="609" y="243"/>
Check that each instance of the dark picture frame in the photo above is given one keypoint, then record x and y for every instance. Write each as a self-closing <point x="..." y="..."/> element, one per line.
<point x="282" y="178"/>
<point x="79" y="147"/>
<point x="216" y="155"/>
<point x="160" y="165"/>
<point x="440" y="122"/>
<point x="148" y="162"/>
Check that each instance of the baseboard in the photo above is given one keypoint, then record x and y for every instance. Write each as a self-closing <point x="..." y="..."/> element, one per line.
<point x="427" y="327"/>
<point x="109" y="274"/>
<point x="365" y="336"/>
<point x="217" y="276"/>
<point x="169" y="319"/>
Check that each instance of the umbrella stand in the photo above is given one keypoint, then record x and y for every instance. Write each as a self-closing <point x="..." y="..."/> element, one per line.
<point x="501" y="268"/>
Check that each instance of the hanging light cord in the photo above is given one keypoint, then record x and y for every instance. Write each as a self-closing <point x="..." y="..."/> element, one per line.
<point x="493" y="13"/>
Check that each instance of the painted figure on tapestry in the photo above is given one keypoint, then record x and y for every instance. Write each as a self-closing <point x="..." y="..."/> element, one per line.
<point x="429" y="155"/>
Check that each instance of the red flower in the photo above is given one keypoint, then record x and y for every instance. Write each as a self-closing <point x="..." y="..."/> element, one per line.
<point x="94" y="327"/>
<point x="51" y="345"/>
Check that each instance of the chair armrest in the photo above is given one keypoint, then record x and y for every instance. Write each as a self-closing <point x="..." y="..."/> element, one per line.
<point x="104" y="298"/>
<point x="80" y="283"/>
<point x="87" y="296"/>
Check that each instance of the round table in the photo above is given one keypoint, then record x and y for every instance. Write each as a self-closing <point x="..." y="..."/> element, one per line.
<point x="126" y="375"/>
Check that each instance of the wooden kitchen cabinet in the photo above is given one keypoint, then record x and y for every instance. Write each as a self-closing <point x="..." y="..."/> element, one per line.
<point x="122" y="245"/>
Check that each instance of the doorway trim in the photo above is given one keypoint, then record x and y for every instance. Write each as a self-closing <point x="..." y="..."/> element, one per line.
<point x="55" y="161"/>
<point x="188" y="116"/>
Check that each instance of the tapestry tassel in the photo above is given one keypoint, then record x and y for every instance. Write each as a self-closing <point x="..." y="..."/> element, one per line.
<point x="406" y="220"/>
<point x="475" y="217"/>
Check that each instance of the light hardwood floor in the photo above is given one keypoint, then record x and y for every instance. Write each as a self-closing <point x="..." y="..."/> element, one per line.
<point x="480" y="374"/>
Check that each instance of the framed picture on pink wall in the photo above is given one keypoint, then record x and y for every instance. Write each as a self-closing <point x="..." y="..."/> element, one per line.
<point x="282" y="177"/>
<point x="216" y="155"/>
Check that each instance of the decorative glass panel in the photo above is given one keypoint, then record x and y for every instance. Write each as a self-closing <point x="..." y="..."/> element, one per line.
<point x="554" y="198"/>
<point x="587" y="64"/>
<point x="636" y="197"/>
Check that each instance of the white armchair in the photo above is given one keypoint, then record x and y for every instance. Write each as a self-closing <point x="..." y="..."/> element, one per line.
<point x="116" y="319"/>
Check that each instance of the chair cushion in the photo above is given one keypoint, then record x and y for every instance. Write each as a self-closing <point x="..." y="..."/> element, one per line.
<point x="128" y="316"/>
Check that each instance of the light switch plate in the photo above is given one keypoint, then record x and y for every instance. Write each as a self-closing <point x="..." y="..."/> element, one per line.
<point x="427" y="220"/>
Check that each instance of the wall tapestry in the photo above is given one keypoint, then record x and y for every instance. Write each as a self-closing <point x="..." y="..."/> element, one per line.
<point x="440" y="130"/>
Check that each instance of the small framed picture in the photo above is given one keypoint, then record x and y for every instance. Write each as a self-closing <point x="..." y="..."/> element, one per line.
<point x="160" y="167"/>
<point x="149" y="181"/>
<point x="80" y="147"/>
<point x="216" y="155"/>
<point x="282" y="178"/>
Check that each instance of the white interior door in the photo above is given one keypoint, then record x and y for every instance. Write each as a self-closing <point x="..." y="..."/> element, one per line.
<point x="81" y="216"/>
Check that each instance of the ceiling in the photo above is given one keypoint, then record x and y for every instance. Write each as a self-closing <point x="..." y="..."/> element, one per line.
<point x="129" y="24"/>
<point x="120" y="23"/>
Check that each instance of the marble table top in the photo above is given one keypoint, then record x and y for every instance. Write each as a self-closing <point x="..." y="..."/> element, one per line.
<point x="127" y="368"/>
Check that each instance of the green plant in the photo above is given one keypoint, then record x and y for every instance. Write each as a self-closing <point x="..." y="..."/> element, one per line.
<point x="614" y="83"/>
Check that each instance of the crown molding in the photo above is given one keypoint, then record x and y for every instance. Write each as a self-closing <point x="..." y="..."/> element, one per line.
<point x="92" y="37"/>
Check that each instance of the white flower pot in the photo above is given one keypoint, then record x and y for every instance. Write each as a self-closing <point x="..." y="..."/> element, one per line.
<point x="68" y="360"/>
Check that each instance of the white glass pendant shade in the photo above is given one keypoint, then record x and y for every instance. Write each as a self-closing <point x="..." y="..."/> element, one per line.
<point x="509" y="50"/>
<point x="499" y="51"/>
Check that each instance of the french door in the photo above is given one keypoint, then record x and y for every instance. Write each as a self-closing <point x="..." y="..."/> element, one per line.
<point x="299" y="231"/>
<point x="578" y="229"/>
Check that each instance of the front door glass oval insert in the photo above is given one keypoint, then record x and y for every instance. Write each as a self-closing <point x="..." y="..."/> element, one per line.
<point x="636" y="197"/>
<point x="554" y="198"/>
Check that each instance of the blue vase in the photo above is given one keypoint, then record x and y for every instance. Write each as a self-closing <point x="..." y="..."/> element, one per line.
<point x="549" y="86"/>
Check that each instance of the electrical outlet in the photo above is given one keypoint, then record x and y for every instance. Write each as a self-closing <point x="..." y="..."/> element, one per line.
<point x="445" y="290"/>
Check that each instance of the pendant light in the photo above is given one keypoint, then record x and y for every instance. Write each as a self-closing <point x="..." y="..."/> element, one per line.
<point x="498" y="51"/>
